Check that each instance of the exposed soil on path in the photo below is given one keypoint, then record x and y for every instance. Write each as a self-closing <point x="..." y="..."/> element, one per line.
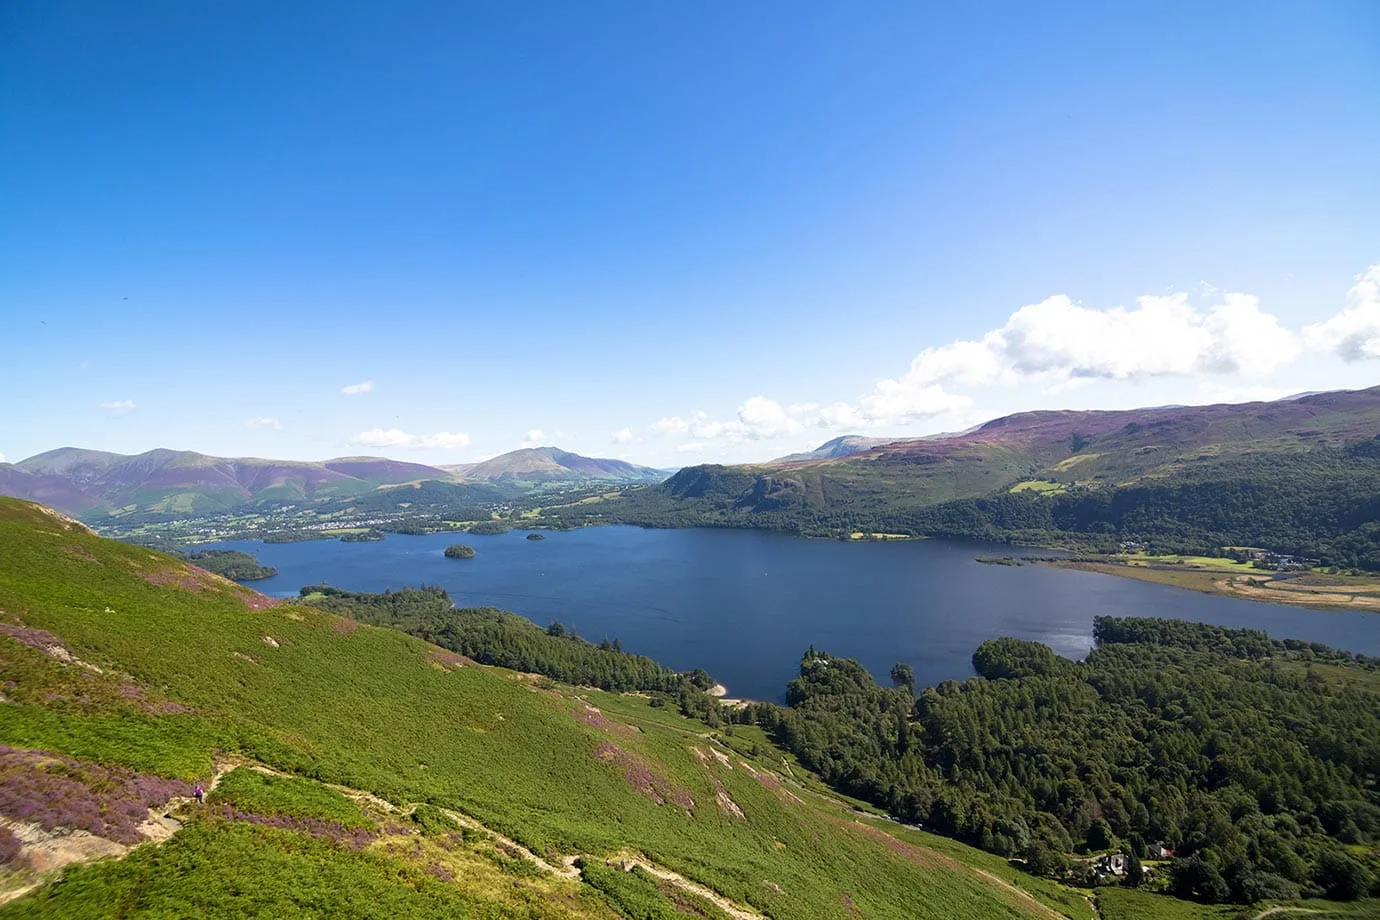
<point x="49" y="852"/>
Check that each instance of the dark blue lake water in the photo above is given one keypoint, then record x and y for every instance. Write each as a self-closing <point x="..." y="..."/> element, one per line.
<point x="744" y="605"/>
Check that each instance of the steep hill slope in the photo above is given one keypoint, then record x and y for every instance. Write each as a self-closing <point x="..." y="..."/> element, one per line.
<point x="381" y="776"/>
<point x="1100" y="448"/>
<point x="844" y="446"/>
<point x="550" y="465"/>
<point x="1295" y="475"/>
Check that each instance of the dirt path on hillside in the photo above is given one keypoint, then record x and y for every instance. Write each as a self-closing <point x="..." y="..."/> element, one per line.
<point x="731" y="908"/>
<point x="1019" y="892"/>
<point x="49" y="853"/>
<point x="80" y="847"/>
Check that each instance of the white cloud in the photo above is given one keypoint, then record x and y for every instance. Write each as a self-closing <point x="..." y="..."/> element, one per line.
<point x="1164" y="335"/>
<point x="622" y="436"/>
<point x="1216" y="393"/>
<point x="903" y="401"/>
<point x="118" y="405"/>
<point x="395" y="437"/>
<point x="1060" y="345"/>
<point x="1354" y="333"/>
<point x="358" y="389"/>
<point x="533" y="438"/>
<point x="759" y="418"/>
<point x="698" y="425"/>
<point x="2" y="458"/>
<point x="766" y="418"/>
<point x="263" y="423"/>
<point x="1055" y="345"/>
<point x="691" y="447"/>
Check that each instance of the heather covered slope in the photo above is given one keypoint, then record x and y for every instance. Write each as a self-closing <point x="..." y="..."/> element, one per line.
<point x="123" y="662"/>
<point x="1095" y="449"/>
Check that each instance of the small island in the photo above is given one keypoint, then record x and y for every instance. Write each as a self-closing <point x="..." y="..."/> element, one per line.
<point x="536" y="536"/>
<point x="459" y="551"/>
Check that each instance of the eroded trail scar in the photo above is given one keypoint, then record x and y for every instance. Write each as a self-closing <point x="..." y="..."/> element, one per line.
<point x="567" y="868"/>
<point x="731" y="908"/>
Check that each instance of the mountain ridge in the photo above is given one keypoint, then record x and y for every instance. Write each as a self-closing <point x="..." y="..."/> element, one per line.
<point x="1298" y="476"/>
<point x="82" y="481"/>
<point x="551" y="463"/>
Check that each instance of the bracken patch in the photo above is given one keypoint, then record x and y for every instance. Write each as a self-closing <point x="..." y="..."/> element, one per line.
<point x="594" y="718"/>
<point x="43" y="641"/>
<point x="927" y="859"/>
<point x="343" y="625"/>
<point x="81" y="554"/>
<point x="256" y="601"/>
<point x="356" y="838"/>
<point x="187" y="578"/>
<point x="642" y="778"/>
<point x="770" y="781"/>
<point x="445" y="659"/>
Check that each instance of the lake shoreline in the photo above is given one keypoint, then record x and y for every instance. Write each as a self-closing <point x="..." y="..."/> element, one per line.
<point x="745" y="605"/>
<point x="1266" y="587"/>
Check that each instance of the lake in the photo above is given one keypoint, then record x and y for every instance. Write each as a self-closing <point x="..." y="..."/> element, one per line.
<point x="744" y="605"/>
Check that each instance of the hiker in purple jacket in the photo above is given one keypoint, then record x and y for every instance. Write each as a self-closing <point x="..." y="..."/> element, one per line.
<point x="199" y="793"/>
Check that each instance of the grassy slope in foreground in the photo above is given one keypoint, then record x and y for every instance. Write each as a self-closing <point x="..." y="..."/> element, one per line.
<point x="193" y="665"/>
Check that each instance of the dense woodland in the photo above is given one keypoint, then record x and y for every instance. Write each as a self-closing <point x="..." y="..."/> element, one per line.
<point x="1255" y="761"/>
<point x="230" y="563"/>
<point x="499" y="638"/>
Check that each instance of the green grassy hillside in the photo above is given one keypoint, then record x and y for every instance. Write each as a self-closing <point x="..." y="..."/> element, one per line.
<point x="362" y="772"/>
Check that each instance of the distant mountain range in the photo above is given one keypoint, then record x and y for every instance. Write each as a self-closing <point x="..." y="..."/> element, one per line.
<point x="91" y="482"/>
<point x="1087" y="448"/>
<point x="1300" y="475"/>
<point x="839" y="447"/>
<point x="551" y="464"/>
<point x="848" y="482"/>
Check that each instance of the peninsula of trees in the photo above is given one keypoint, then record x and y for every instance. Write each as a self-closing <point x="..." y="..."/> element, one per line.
<point x="232" y="564"/>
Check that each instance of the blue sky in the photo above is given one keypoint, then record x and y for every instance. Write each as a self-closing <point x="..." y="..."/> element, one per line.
<point x="672" y="233"/>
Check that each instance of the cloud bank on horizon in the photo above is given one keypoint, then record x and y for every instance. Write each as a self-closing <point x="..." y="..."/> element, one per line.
<point x="1232" y="345"/>
<point x="263" y="423"/>
<point x="394" y="437"/>
<point x="1354" y="333"/>
<point x="1228" y="345"/>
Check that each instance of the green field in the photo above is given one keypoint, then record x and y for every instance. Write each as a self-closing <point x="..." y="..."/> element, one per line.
<point x="1129" y="904"/>
<point x="1042" y="486"/>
